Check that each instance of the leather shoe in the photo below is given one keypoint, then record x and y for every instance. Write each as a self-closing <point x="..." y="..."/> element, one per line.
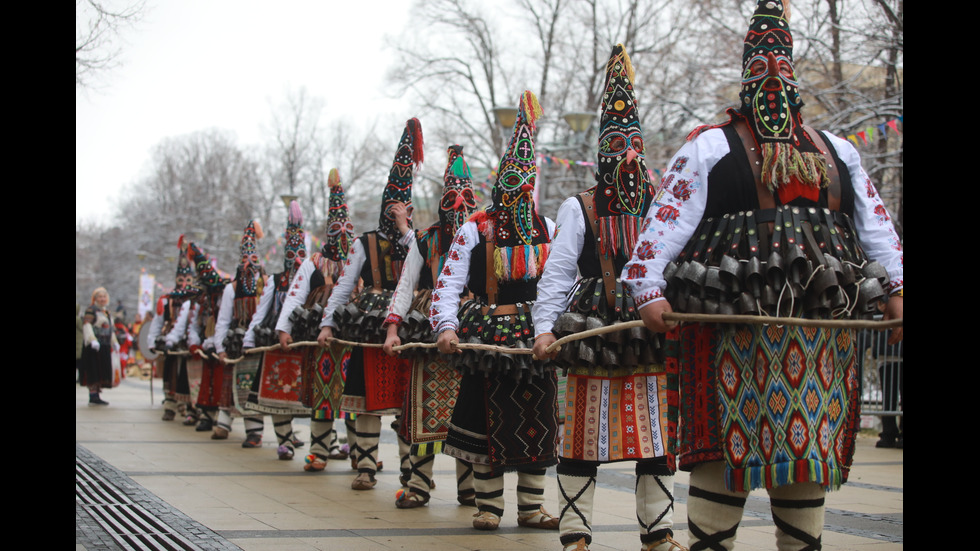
<point x="666" y="544"/>
<point x="539" y="519"/>
<point x="219" y="434"/>
<point x="252" y="440"/>
<point x="411" y="500"/>
<point x="364" y="481"/>
<point x="485" y="520"/>
<point x="314" y="463"/>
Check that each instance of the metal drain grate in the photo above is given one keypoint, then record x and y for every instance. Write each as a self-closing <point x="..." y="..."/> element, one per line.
<point x="129" y="524"/>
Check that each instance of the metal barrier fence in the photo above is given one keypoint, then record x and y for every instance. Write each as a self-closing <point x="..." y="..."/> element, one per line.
<point x="881" y="369"/>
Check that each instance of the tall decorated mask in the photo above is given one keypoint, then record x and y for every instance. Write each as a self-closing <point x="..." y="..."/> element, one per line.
<point x="185" y="273"/>
<point x="408" y="159"/>
<point x="340" y="229"/>
<point x="249" y="267"/>
<point x="294" y="248"/>
<point x="208" y="277"/>
<point x="457" y="202"/>
<point x="623" y="188"/>
<point x="515" y="220"/>
<point x="792" y="165"/>
<point x="770" y="93"/>
<point x="519" y="236"/>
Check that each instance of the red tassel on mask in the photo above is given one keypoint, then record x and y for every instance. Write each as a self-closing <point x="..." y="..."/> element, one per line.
<point x="415" y="127"/>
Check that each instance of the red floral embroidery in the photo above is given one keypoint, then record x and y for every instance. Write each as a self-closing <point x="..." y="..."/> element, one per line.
<point x="870" y="188"/>
<point x="667" y="214"/>
<point x="646" y="250"/>
<point x="683" y="190"/>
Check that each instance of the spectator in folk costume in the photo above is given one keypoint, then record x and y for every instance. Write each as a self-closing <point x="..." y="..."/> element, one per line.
<point x="376" y="382"/>
<point x="323" y="367"/>
<point x="499" y="255"/>
<point x="99" y="339"/>
<point x="621" y="373"/>
<point x="431" y="375"/>
<point x="763" y="215"/>
<point x="172" y="310"/>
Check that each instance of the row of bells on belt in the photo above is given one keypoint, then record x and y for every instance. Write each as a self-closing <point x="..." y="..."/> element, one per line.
<point x="782" y="285"/>
<point x="306" y="323"/>
<point x="589" y="310"/>
<point x="361" y="319"/>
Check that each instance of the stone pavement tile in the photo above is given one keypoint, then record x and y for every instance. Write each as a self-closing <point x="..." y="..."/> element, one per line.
<point x="260" y="503"/>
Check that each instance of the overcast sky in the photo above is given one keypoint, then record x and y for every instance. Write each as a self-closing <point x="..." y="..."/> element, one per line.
<point x="193" y="65"/>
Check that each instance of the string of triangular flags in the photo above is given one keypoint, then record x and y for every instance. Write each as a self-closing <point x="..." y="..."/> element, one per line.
<point x="867" y="135"/>
<point x="863" y="137"/>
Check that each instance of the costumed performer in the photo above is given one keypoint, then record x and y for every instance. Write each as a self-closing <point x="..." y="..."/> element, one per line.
<point x="299" y="313"/>
<point x="618" y="392"/>
<point x="434" y="383"/>
<point x="505" y="417"/>
<point x="764" y="215"/>
<point x="376" y="383"/>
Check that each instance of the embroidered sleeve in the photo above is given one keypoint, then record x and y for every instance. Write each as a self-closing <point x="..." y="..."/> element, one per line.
<point x="194" y="325"/>
<point x="407" y="239"/>
<point x="265" y="302"/>
<point x="453" y="278"/>
<point x="223" y="322"/>
<point x="561" y="269"/>
<point x="180" y="324"/>
<point x="673" y="216"/>
<point x="401" y="300"/>
<point x="156" y="324"/>
<point x="872" y="221"/>
<point x="341" y="292"/>
<point x="299" y="289"/>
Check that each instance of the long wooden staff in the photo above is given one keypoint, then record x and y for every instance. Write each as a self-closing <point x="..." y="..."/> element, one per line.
<point x="669" y="316"/>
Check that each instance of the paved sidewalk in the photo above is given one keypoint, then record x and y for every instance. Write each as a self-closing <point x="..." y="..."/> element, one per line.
<point x="156" y="480"/>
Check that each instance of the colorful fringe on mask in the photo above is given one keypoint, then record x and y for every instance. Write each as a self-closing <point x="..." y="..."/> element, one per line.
<point x="523" y="262"/>
<point x="782" y="163"/>
<point x="617" y="235"/>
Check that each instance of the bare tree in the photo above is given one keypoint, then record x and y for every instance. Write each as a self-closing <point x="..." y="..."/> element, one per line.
<point x="556" y="48"/>
<point x="296" y="154"/>
<point x="201" y="185"/>
<point x="98" y="30"/>
<point x="852" y="71"/>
